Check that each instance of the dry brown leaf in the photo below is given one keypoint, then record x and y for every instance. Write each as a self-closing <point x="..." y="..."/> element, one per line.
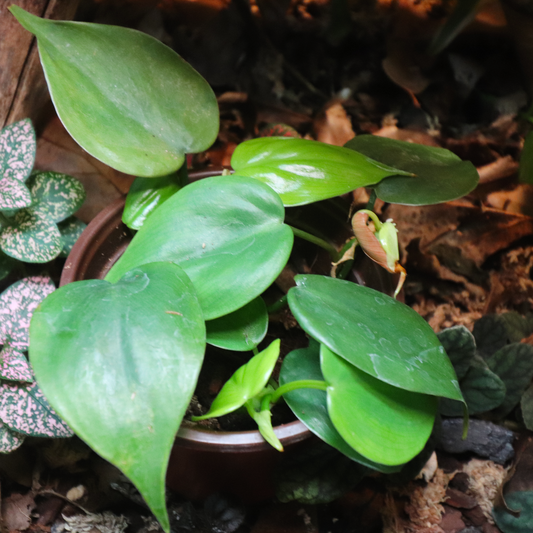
<point x="412" y="136"/>
<point x="57" y="151"/>
<point x="16" y="511"/>
<point x="518" y="200"/>
<point x="333" y="126"/>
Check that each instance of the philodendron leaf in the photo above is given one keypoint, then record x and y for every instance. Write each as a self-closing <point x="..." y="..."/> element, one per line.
<point x="71" y="230"/>
<point x="375" y="333"/>
<point x="460" y="346"/>
<point x="385" y="424"/>
<point x="246" y="383"/>
<point x="482" y="390"/>
<point x="263" y="419"/>
<point x="310" y="405"/>
<point x="228" y="235"/>
<point x="17" y="304"/>
<point x="9" y="440"/>
<point x="147" y="194"/>
<point x="513" y="364"/>
<point x="241" y="330"/>
<point x="303" y="171"/>
<point x="24" y="409"/>
<point x="125" y="97"/>
<point x="436" y="175"/>
<point x="521" y="501"/>
<point x="124" y="380"/>
<point x="17" y="156"/>
<point x="14" y="366"/>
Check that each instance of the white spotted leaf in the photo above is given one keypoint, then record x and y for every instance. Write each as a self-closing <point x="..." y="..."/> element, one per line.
<point x="17" y="304"/>
<point x="9" y="440"/>
<point x="25" y="410"/>
<point x="70" y="230"/>
<point x="14" y="366"/>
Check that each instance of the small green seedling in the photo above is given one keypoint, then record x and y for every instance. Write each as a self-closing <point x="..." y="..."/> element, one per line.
<point x="122" y="364"/>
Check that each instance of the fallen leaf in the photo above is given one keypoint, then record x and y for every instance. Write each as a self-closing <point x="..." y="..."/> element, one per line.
<point x="16" y="511"/>
<point x="333" y="125"/>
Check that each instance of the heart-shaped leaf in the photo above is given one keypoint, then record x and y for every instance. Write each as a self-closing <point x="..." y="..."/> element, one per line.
<point x="241" y="330"/>
<point x="437" y="175"/>
<point x="460" y="346"/>
<point x="375" y="333"/>
<point x="17" y="156"/>
<point x="24" y="409"/>
<point x="71" y="230"/>
<point x="125" y="97"/>
<point x="385" y="424"/>
<point x="14" y="366"/>
<point x="147" y="194"/>
<point x="17" y="304"/>
<point x="521" y="522"/>
<point x="310" y="405"/>
<point x="246" y="383"/>
<point x="226" y="232"/>
<point x="9" y="440"/>
<point x="125" y="379"/>
<point x="55" y="196"/>
<point x="513" y="364"/>
<point x="303" y="171"/>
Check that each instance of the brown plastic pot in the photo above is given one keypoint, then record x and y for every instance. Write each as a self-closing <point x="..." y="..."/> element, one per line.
<point x="202" y="461"/>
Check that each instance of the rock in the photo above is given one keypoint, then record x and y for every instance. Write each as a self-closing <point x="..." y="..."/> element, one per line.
<point x="484" y="438"/>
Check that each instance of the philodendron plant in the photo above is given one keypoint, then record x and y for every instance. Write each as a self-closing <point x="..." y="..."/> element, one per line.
<point x="119" y="358"/>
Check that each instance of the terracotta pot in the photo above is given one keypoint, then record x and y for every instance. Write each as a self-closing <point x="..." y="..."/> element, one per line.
<point x="202" y="462"/>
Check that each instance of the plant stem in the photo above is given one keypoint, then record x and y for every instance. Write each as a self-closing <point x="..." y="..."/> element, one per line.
<point x="294" y="385"/>
<point x="332" y="251"/>
<point x="277" y="305"/>
<point x="372" y="200"/>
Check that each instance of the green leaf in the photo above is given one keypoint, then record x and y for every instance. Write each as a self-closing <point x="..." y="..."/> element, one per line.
<point x="6" y="265"/>
<point x="55" y="196"/>
<point x="491" y="334"/>
<point x="14" y="366"/>
<point x="71" y="230"/>
<point x="246" y="383"/>
<point x="439" y="175"/>
<point x="482" y="390"/>
<point x="124" y="379"/>
<point x="316" y="474"/>
<point x="521" y="501"/>
<point x="526" y="403"/>
<point x="263" y="419"/>
<point x="9" y="440"/>
<point x="310" y="405"/>
<point x="460" y="346"/>
<point x="32" y="238"/>
<point x="17" y="304"/>
<point x="514" y="366"/>
<point x="462" y="14"/>
<point x="146" y="195"/>
<point x="17" y="156"/>
<point x="525" y="172"/>
<point x="375" y="333"/>
<point x="241" y="330"/>
<point x="228" y="235"/>
<point x="303" y="171"/>
<point x="385" y="424"/>
<point x="126" y="98"/>
<point x="24" y="409"/>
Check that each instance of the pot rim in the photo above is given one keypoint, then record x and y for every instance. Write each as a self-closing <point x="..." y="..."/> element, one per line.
<point x="83" y="250"/>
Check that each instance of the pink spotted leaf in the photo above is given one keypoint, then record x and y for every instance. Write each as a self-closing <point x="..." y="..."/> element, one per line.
<point x="24" y="409"/>
<point x="13" y="194"/>
<point x="70" y="230"/>
<point x="14" y="366"/>
<point x="9" y="440"/>
<point x="17" y="304"/>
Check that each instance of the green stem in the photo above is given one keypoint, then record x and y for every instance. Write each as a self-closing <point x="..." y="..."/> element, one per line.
<point x="374" y="217"/>
<point x="294" y="385"/>
<point x="332" y="251"/>
<point x="277" y="305"/>
<point x="372" y="200"/>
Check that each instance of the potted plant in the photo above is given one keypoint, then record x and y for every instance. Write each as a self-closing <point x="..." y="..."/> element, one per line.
<point x="119" y="358"/>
